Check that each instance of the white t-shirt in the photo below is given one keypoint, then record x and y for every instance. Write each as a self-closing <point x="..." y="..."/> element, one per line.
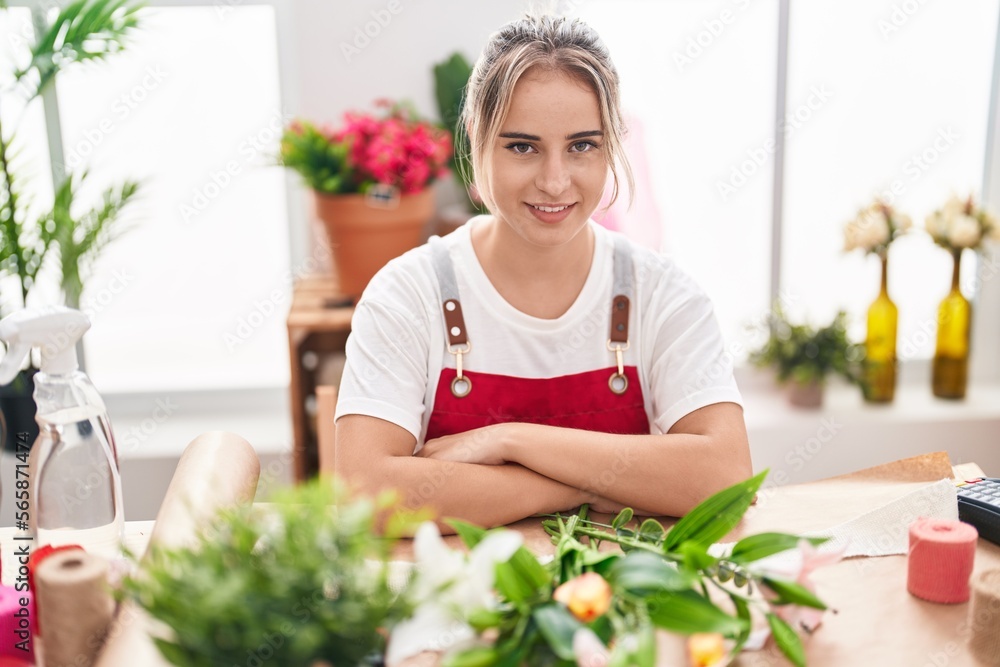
<point x="397" y="345"/>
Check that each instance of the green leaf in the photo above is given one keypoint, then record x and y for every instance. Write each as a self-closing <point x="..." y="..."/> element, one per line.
<point x="623" y="518"/>
<point x="686" y="612"/>
<point x="522" y="577"/>
<point x="645" y="652"/>
<point x="755" y="547"/>
<point x="471" y="534"/>
<point x="557" y="626"/>
<point x="651" y="530"/>
<point x="715" y="517"/>
<point x="790" y="592"/>
<point x="695" y="557"/>
<point x="641" y="572"/>
<point x="787" y="640"/>
<point x="480" y="656"/>
<point x="742" y="613"/>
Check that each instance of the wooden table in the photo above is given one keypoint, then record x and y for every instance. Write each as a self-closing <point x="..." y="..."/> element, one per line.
<point x="318" y="323"/>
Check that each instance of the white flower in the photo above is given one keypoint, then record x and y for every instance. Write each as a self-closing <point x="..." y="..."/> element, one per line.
<point x="449" y="585"/>
<point x="965" y="232"/>
<point x="869" y="230"/>
<point x="589" y="650"/>
<point x="797" y="565"/>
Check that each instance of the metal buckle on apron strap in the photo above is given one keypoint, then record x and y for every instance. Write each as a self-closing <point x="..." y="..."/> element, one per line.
<point x="618" y="342"/>
<point x="458" y="344"/>
<point x="618" y="382"/>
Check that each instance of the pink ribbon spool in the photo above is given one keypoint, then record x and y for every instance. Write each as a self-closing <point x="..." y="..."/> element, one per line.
<point x="942" y="552"/>
<point x="15" y="620"/>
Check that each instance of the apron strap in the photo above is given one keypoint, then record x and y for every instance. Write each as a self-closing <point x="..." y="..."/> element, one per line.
<point x="454" y="322"/>
<point x="620" y="307"/>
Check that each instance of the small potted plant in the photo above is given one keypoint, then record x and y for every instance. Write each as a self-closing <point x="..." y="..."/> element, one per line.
<point x="303" y="580"/>
<point x="451" y="77"/>
<point x="370" y="183"/>
<point x="802" y="356"/>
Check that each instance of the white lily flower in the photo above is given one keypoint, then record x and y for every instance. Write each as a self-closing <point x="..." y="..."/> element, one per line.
<point x="449" y="585"/>
<point x="965" y="232"/>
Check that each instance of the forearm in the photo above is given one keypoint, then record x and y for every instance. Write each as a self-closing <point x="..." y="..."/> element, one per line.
<point x="663" y="474"/>
<point x="484" y="495"/>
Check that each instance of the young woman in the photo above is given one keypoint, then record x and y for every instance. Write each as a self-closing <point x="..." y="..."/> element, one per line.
<point x="532" y="361"/>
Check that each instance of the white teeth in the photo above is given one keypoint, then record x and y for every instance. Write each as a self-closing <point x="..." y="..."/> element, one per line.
<point x="550" y="209"/>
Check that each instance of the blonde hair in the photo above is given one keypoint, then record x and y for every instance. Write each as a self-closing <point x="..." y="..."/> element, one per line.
<point x="553" y="43"/>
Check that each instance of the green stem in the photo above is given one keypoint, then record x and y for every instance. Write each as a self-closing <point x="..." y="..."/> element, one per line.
<point x="627" y="541"/>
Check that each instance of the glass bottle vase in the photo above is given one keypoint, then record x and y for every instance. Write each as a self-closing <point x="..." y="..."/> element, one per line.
<point x="951" y="355"/>
<point x="880" y="345"/>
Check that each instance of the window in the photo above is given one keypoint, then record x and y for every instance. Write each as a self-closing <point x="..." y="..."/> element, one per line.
<point x="874" y="93"/>
<point x="703" y="92"/>
<point x="197" y="290"/>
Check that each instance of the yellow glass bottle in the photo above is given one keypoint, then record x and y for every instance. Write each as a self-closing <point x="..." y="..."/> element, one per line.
<point x="880" y="344"/>
<point x="951" y="356"/>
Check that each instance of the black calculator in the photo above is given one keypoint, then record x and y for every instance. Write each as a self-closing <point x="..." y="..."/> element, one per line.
<point x="979" y="504"/>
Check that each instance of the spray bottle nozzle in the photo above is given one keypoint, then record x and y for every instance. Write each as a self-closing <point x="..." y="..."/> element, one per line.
<point x="54" y="330"/>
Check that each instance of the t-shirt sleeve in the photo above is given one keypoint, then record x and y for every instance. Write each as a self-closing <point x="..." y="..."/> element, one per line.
<point x="386" y="371"/>
<point x="690" y="367"/>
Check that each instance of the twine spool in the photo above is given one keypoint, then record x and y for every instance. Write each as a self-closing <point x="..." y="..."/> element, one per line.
<point x="984" y="617"/>
<point x="18" y="623"/>
<point x="75" y="607"/>
<point x="942" y="552"/>
<point x="39" y="555"/>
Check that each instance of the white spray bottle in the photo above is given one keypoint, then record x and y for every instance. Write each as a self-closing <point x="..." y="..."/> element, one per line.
<point x="75" y="487"/>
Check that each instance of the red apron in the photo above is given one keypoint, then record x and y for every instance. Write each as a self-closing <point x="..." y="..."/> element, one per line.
<point x="608" y="399"/>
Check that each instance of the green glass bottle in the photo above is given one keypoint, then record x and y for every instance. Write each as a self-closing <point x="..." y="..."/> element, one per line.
<point x="880" y="344"/>
<point x="951" y="355"/>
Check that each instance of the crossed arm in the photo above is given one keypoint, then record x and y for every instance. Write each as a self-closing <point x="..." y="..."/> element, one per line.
<point x="505" y="472"/>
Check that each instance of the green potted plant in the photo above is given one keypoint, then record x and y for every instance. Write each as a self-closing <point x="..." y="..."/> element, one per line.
<point x="370" y="183"/>
<point x="802" y="356"/>
<point x="303" y="580"/>
<point x="451" y="77"/>
<point x="69" y="237"/>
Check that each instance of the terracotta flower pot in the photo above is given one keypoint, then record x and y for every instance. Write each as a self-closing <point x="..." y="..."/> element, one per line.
<point x="805" y="394"/>
<point x="363" y="237"/>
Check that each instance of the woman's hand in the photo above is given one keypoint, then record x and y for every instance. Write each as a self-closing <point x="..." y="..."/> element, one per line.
<point x="485" y="446"/>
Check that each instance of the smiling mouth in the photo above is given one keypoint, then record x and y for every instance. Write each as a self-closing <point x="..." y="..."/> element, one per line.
<point x="551" y="209"/>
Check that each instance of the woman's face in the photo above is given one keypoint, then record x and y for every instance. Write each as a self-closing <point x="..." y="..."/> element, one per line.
<point x="549" y="165"/>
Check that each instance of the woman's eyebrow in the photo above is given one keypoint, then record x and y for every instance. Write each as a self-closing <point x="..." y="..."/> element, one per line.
<point x="569" y="137"/>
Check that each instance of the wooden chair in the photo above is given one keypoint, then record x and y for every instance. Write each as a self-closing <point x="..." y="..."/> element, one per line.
<point x="326" y="408"/>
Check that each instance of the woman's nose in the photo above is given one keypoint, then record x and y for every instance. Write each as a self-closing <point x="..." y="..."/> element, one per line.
<point x="553" y="177"/>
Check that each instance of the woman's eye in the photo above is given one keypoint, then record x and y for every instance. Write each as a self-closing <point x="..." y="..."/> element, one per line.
<point x="584" y="146"/>
<point x="519" y="149"/>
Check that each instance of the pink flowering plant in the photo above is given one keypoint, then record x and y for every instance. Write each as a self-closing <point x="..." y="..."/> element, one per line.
<point x="595" y="607"/>
<point x="393" y="147"/>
